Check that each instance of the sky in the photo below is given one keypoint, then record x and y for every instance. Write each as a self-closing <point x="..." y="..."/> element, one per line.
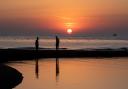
<point x="51" y="17"/>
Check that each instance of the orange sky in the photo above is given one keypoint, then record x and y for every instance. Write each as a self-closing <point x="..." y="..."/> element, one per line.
<point x="55" y="14"/>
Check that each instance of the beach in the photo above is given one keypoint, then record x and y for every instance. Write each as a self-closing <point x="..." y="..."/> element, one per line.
<point x="20" y="48"/>
<point x="78" y="63"/>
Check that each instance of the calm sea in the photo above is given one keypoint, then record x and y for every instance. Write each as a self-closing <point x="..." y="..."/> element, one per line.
<point x="74" y="73"/>
<point x="71" y="43"/>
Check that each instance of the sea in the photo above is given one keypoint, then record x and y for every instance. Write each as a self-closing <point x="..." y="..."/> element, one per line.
<point x="69" y="43"/>
<point x="74" y="73"/>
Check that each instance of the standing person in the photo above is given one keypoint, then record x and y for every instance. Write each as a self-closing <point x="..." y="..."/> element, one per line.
<point x="36" y="59"/>
<point x="57" y="55"/>
<point x="37" y="43"/>
<point x="57" y="42"/>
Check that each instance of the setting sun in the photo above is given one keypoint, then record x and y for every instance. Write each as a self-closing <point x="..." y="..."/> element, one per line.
<point x="69" y="31"/>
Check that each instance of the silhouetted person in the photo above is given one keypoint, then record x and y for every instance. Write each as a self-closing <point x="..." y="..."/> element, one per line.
<point x="57" y="42"/>
<point x="57" y="60"/>
<point x="37" y="43"/>
<point x="36" y="65"/>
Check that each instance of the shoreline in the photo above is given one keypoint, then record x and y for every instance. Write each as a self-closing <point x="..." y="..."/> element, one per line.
<point x="15" y="54"/>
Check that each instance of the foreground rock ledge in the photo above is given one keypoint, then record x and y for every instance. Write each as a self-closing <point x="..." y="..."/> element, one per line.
<point x="28" y="54"/>
<point x="9" y="77"/>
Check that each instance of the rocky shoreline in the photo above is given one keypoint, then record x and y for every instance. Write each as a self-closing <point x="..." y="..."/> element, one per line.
<point x="30" y="53"/>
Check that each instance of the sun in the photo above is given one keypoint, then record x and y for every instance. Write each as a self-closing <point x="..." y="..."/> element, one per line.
<point x="69" y="31"/>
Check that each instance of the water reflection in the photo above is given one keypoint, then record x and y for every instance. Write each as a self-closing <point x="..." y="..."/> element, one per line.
<point x="37" y="68"/>
<point x="57" y="69"/>
<point x="75" y="73"/>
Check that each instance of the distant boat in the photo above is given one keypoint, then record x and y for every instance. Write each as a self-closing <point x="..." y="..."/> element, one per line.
<point x="114" y="34"/>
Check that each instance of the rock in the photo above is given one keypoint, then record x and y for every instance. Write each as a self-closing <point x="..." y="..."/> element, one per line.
<point x="9" y="77"/>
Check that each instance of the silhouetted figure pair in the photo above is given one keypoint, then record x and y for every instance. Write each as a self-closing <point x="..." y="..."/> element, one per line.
<point x="37" y="43"/>
<point x="36" y="60"/>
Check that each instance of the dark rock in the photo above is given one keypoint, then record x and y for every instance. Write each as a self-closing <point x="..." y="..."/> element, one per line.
<point x="9" y="77"/>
